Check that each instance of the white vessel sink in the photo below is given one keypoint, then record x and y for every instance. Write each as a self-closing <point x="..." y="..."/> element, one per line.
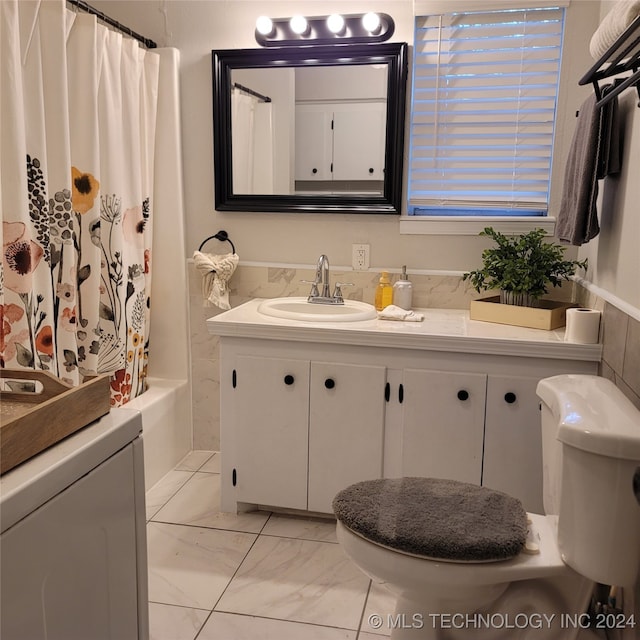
<point x="300" y="309"/>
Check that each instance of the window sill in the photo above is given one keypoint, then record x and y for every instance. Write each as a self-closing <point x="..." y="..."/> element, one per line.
<point x="473" y="225"/>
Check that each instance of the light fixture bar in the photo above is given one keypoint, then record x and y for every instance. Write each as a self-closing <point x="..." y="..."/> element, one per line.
<point x="319" y="31"/>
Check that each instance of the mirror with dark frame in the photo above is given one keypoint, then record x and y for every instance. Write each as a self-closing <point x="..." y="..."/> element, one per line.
<point x="316" y="129"/>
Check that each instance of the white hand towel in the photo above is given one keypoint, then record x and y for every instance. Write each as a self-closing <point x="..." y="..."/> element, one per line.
<point x="615" y="22"/>
<point x="216" y="272"/>
<point x="393" y="312"/>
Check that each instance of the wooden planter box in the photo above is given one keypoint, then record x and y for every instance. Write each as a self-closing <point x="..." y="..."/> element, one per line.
<point x="33" y="420"/>
<point x="551" y="314"/>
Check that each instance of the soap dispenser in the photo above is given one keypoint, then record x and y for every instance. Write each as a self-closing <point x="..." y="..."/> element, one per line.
<point x="384" y="292"/>
<point x="403" y="291"/>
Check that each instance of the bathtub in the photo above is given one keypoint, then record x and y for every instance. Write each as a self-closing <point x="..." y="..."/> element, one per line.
<point x="166" y="425"/>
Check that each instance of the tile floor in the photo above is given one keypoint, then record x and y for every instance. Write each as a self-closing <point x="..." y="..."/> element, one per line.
<point x="214" y="575"/>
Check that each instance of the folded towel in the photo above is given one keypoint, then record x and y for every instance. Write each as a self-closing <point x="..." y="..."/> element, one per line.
<point x="615" y="22"/>
<point x="393" y="312"/>
<point x="216" y="272"/>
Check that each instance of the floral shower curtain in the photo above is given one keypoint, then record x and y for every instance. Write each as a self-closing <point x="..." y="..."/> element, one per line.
<point x="77" y="130"/>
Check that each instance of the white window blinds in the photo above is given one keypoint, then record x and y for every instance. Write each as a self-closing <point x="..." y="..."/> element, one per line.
<point x="484" y="99"/>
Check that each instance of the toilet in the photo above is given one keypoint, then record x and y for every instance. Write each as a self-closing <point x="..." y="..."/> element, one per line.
<point x="468" y="562"/>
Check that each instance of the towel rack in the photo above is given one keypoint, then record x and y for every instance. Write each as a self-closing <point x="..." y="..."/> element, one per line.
<point x="614" y="59"/>
<point x="222" y="235"/>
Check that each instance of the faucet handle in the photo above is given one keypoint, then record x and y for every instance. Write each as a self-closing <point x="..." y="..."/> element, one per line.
<point x="337" y="292"/>
<point x="314" y="287"/>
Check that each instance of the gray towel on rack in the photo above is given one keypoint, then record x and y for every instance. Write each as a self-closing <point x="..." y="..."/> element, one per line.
<point x="609" y="158"/>
<point x="594" y="153"/>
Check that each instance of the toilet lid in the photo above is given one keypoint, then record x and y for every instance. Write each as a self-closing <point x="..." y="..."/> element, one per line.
<point x="435" y="518"/>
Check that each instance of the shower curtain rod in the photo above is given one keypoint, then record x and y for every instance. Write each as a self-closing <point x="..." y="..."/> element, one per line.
<point x="237" y="85"/>
<point x="150" y="44"/>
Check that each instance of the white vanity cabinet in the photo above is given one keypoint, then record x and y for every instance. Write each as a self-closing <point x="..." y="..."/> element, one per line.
<point x="512" y="442"/>
<point x="308" y="409"/>
<point x="302" y="429"/>
<point x="472" y="427"/>
<point x="271" y="401"/>
<point x="346" y="428"/>
<point x="442" y="424"/>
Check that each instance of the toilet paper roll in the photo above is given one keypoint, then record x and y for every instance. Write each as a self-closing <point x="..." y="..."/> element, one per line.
<point x="583" y="326"/>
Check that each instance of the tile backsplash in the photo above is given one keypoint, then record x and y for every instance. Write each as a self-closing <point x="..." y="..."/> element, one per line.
<point x="620" y="337"/>
<point x="620" y="333"/>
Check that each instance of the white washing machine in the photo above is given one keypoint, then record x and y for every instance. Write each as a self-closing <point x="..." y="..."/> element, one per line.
<point x="73" y="559"/>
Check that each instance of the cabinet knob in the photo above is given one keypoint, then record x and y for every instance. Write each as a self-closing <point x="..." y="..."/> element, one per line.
<point x="329" y="383"/>
<point x="370" y="169"/>
<point x="510" y="397"/>
<point x="314" y="170"/>
<point x="289" y="379"/>
<point x="463" y="395"/>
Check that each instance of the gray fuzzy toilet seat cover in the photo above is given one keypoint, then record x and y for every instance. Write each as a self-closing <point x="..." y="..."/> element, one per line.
<point x="435" y="518"/>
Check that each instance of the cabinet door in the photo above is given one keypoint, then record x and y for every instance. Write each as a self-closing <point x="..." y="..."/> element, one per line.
<point x="443" y="424"/>
<point x="358" y="141"/>
<point x="272" y="413"/>
<point x="513" y="440"/>
<point x="313" y="142"/>
<point x="69" y="569"/>
<point x="346" y="429"/>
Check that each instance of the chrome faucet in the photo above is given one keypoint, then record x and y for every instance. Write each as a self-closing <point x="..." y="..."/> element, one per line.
<point x="322" y="275"/>
<point x="323" y="278"/>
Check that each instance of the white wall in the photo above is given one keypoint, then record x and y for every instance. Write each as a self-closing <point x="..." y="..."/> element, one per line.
<point x="196" y="27"/>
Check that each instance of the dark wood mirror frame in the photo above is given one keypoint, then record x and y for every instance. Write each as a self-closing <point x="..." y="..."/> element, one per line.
<point x="225" y="61"/>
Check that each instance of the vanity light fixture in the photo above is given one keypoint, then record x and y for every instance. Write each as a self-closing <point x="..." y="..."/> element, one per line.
<point x="371" y="22"/>
<point x="299" y="25"/>
<point x="335" y="23"/>
<point x="264" y="25"/>
<point x="333" y="29"/>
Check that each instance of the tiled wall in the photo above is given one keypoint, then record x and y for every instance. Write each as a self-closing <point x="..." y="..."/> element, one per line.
<point x="620" y="333"/>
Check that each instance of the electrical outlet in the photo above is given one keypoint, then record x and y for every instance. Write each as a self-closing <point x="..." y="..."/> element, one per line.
<point x="360" y="257"/>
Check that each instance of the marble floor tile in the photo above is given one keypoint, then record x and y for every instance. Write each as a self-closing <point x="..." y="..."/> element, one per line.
<point x="212" y="465"/>
<point x="320" y="529"/>
<point x="197" y="503"/>
<point x="381" y="604"/>
<point x="193" y="460"/>
<point x="158" y="495"/>
<point x="299" y="581"/>
<point x="191" y="566"/>
<point x="229" y="626"/>
<point x="168" y="622"/>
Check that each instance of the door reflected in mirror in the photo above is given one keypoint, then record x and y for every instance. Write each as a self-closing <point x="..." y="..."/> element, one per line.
<point x="314" y="129"/>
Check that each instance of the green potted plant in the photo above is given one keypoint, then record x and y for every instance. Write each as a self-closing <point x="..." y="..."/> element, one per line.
<point x="521" y="268"/>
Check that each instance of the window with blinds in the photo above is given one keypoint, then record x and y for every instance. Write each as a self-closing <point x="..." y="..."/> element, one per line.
<point x="485" y="87"/>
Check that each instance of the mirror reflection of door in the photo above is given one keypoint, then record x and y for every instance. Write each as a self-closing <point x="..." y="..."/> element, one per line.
<point x="325" y="132"/>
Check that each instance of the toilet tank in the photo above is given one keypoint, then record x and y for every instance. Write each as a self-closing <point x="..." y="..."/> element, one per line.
<point x="591" y="459"/>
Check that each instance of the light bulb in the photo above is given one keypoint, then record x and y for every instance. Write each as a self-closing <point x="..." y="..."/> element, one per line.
<point x="264" y="25"/>
<point x="298" y="24"/>
<point x="335" y="23"/>
<point x="371" y="22"/>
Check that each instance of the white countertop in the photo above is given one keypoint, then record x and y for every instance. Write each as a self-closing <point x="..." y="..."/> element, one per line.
<point x="442" y="330"/>
<point x="32" y="483"/>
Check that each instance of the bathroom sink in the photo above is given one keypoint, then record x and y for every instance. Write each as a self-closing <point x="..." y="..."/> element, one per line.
<point x="300" y="309"/>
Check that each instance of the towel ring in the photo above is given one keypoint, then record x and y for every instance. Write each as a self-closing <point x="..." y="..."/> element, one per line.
<point x="222" y="235"/>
